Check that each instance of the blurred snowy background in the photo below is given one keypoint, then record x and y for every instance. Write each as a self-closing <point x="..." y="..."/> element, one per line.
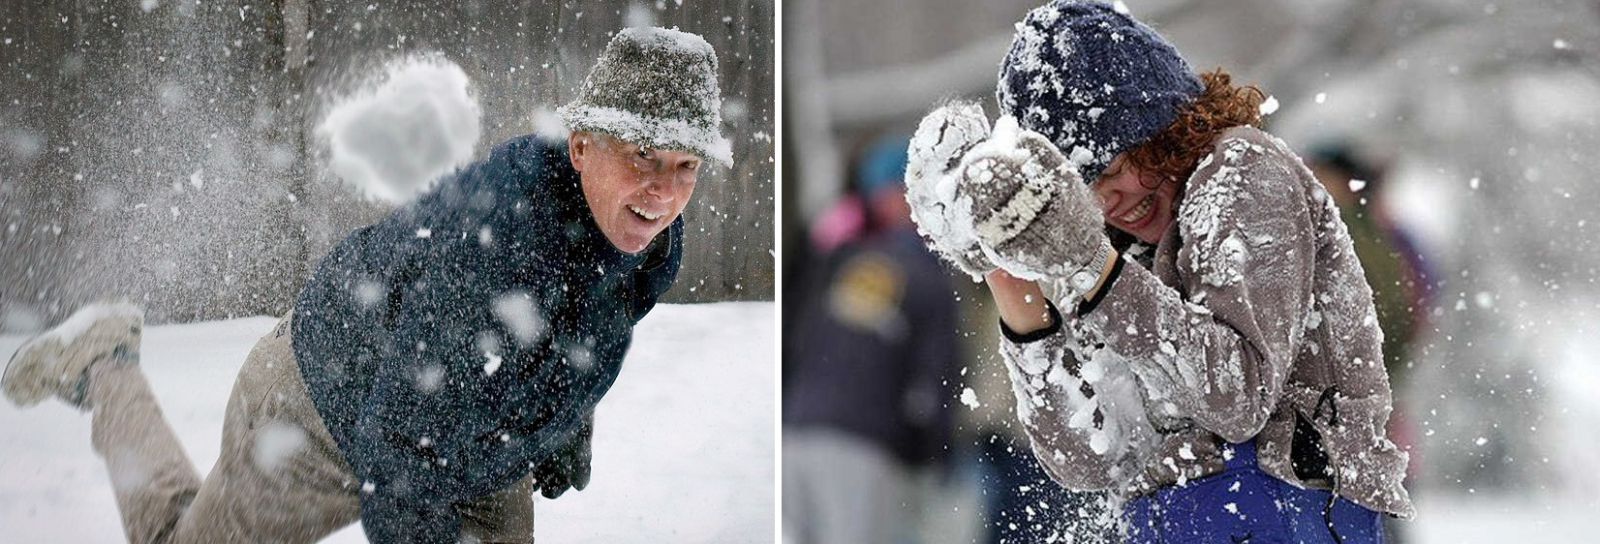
<point x="187" y="154"/>
<point x="1480" y="119"/>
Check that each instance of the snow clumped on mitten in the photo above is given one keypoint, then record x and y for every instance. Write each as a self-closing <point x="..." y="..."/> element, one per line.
<point x="945" y="136"/>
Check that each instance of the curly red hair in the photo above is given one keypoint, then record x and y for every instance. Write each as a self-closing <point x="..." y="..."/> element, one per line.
<point x="1171" y="154"/>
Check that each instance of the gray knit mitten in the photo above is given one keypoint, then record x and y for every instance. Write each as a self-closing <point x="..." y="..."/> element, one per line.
<point x="1033" y="214"/>
<point x="942" y="139"/>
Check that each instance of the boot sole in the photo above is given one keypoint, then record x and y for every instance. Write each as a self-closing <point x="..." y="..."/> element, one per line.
<point x="90" y="334"/>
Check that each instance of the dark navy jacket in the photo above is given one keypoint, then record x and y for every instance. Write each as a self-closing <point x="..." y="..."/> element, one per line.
<point x="875" y="349"/>
<point x="455" y="345"/>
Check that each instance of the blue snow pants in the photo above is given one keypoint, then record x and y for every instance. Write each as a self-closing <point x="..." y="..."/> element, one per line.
<point x="1243" y="504"/>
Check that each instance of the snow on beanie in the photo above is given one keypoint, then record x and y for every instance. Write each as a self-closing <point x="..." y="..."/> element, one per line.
<point x="1093" y="81"/>
<point x="655" y="87"/>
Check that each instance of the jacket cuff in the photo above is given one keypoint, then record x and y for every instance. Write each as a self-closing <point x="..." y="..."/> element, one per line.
<point x="1089" y="304"/>
<point x="1035" y="336"/>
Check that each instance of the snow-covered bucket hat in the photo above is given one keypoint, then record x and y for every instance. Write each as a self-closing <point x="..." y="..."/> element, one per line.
<point x="655" y="87"/>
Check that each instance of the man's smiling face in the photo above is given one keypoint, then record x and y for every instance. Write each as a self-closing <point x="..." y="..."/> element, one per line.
<point x="634" y="192"/>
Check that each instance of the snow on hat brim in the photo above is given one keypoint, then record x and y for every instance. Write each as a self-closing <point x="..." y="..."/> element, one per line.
<point x="648" y="131"/>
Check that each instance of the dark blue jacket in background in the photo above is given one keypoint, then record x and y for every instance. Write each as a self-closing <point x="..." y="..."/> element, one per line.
<point x="397" y="332"/>
<point x="875" y="349"/>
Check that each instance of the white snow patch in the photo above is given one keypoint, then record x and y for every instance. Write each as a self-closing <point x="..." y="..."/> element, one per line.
<point x="81" y="320"/>
<point x="491" y="364"/>
<point x="411" y="125"/>
<point x="274" y="443"/>
<point x="368" y="293"/>
<point x="1269" y="106"/>
<point x="580" y="357"/>
<point x="1484" y="299"/>
<point x="653" y="131"/>
<point x="547" y="125"/>
<point x="1100" y="442"/>
<point x="132" y="472"/>
<point x="969" y="398"/>
<point x="429" y="378"/>
<point x="934" y="155"/>
<point x="638" y="15"/>
<point x="517" y="312"/>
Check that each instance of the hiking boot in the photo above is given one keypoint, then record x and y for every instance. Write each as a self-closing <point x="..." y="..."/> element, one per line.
<point x="57" y="362"/>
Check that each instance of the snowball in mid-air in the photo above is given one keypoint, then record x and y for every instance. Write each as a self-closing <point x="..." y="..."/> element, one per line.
<point x="970" y="398"/>
<point x="415" y="123"/>
<point x="1269" y="106"/>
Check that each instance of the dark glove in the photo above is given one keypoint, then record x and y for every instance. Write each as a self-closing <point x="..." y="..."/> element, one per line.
<point x="569" y="466"/>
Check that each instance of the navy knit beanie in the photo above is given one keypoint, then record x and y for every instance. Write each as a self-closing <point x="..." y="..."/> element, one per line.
<point x="1093" y="81"/>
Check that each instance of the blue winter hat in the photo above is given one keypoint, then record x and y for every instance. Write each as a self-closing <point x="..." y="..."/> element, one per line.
<point x="883" y="165"/>
<point x="1093" y="81"/>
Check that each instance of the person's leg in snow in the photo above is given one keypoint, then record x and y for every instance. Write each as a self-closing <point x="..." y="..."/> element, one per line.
<point x="280" y="477"/>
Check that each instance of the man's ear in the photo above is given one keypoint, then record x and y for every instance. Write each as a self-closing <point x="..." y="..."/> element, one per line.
<point x="579" y="145"/>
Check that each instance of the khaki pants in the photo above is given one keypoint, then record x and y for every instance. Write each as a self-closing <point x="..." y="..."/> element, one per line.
<point x="280" y="477"/>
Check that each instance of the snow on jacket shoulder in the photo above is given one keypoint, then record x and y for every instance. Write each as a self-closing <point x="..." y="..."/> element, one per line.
<point x="462" y="340"/>
<point x="1254" y="316"/>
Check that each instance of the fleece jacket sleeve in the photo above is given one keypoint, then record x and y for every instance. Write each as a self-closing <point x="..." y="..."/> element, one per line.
<point x="1084" y="418"/>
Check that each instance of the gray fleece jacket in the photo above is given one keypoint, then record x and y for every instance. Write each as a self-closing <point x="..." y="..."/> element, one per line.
<point x="1253" y="319"/>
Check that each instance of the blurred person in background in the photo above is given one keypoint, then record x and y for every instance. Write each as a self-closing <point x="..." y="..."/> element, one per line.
<point x="1219" y="366"/>
<point x="866" y="394"/>
<point x="1394" y="266"/>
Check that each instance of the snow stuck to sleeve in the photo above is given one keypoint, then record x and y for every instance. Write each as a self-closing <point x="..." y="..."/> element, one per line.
<point x="414" y="124"/>
<point x="1218" y="257"/>
<point x="1082" y="408"/>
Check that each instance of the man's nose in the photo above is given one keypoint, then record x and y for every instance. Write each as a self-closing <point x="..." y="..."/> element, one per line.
<point x="658" y="185"/>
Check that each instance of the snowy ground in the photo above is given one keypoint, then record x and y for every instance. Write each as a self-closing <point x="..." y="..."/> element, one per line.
<point x="684" y="443"/>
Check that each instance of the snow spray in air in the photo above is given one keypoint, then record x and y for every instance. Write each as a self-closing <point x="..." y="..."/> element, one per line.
<point x="409" y="125"/>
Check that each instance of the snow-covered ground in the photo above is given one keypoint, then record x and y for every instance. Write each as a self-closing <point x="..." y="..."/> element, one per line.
<point x="684" y="443"/>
